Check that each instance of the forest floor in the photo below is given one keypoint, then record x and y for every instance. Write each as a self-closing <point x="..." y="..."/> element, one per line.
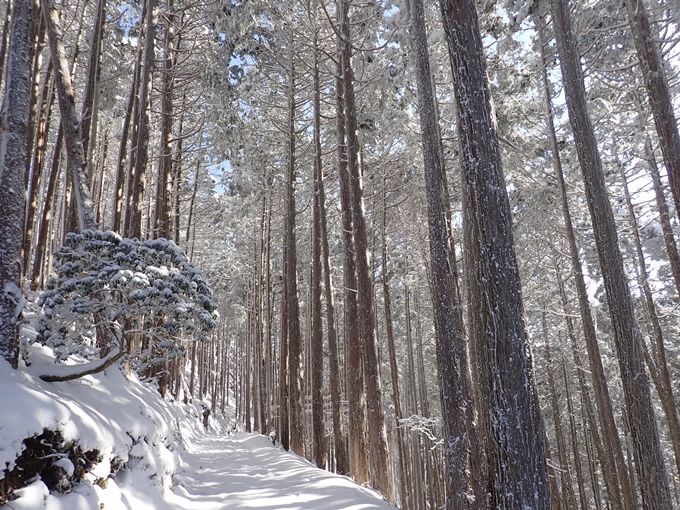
<point x="244" y="471"/>
<point x="152" y="454"/>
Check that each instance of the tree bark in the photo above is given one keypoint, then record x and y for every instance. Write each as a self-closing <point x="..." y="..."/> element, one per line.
<point x="464" y="475"/>
<point x="358" y="459"/>
<point x="381" y="472"/>
<point x="616" y="480"/>
<point x="650" y="468"/>
<point x="511" y="422"/>
<point x="142" y="141"/>
<point x="659" y="95"/>
<point x="14" y="158"/>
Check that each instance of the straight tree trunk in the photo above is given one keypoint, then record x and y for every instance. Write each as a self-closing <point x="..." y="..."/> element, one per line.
<point x="665" y="385"/>
<point x="565" y="469"/>
<point x="38" y="163"/>
<point x="358" y="459"/>
<point x="391" y="350"/>
<point x="657" y="88"/>
<point x="650" y="468"/>
<point x="163" y="225"/>
<point x="664" y="215"/>
<point x="617" y="484"/>
<point x="297" y="442"/>
<point x="142" y="140"/>
<point x="14" y="158"/>
<point x="463" y="473"/>
<point x="380" y="460"/>
<point x="319" y="452"/>
<point x="511" y="422"/>
<point x="121" y="175"/>
<point x="341" y="459"/>
<point x="44" y="227"/>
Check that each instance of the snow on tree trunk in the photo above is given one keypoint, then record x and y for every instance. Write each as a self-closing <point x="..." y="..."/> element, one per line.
<point x="510" y="419"/>
<point x="13" y="167"/>
<point x="657" y="89"/>
<point x="649" y="464"/>
<point x="448" y="320"/>
<point x="69" y="118"/>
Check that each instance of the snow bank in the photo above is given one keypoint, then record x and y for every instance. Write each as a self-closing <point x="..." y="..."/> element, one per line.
<point x="160" y="454"/>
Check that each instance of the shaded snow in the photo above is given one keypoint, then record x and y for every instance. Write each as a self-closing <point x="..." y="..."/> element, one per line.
<point x="171" y="462"/>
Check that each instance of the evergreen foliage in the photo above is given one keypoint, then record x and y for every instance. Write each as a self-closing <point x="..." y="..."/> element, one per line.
<point x="149" y="284"/>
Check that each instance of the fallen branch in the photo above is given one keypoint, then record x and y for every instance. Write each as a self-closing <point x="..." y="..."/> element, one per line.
<point x="62" y="373"/>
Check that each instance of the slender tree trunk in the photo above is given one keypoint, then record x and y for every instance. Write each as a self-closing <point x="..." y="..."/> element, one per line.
<point x="163" y="225"/>
<point x="358" y="459"/>
<point x="142" y="140"/>
<point x="14" y="158"/>
<point x="613" y="465"/>
<point x="380" y="460"/>
<point x="394" y="371"/>
<point x="44" y="228"/>
<point x="657" y="88"/>
<point x="664" y="215"/>
<point x="316" y="339"/>
<point x="120" y="198"/>
<point x="665" y="386"/>
<point x="90" y="100"/>
<point x="463" y="468"/>
<point x="511" y="421"/>
<point x="38" y="163"/>
<point x="341" y="460"/>
<point x="297" y="442"/>
<point x="651" y="471"/>
<point x="565" y="469"/>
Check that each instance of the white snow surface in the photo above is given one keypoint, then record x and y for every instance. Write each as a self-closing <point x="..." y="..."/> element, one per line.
<point x="171" y="461"/>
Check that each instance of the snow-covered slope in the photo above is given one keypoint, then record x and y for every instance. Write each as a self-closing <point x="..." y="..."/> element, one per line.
<point x="159" y="453"/>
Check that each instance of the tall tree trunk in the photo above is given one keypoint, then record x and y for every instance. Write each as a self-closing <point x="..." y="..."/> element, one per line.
<point x="650" y="468"/>
<point x="38" y="164"/>
<point x="665" y="386"/>
<point x="319" y="452"/>
<point x="657" y="88"/>
<point x="565" y="468"/>
<point x="89" y="112"/>
<point x="391" y="350"/>
<point x="43" y="230"/>
<point x="511" y="421"/>
<point x="613" y="466"/>
<point x="121" y="175"/>
<point x="358" y="459"/>
<point x="297" y="442"/>
<point x="341" y="459"/>
<point x="664" y="215"/>
<point x="14" y="158"/>
<point x="163" y="225"/>
<point x="142" y="140"/>
<point x="463" y="468"/>
<point x="381" y="472"/>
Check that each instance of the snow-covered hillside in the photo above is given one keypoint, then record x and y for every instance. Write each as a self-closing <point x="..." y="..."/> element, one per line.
<point x="136" y="451"/>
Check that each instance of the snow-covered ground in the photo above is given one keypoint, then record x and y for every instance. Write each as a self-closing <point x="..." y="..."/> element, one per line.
<point x="169" y="461"/>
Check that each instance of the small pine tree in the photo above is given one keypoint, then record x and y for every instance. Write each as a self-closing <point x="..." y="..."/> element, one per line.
<point x="146" y="287"/>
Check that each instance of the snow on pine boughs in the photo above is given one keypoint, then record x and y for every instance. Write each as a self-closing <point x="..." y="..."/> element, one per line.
<point x="148" y="286"/>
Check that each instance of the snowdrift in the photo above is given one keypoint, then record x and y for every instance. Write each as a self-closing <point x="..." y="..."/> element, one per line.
<point x="136" y="451"/>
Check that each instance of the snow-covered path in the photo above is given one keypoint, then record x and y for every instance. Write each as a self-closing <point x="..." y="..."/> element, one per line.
<point x="245" y="471"/>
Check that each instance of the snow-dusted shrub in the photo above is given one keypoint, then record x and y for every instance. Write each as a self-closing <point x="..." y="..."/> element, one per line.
<point x="146" y="288"/>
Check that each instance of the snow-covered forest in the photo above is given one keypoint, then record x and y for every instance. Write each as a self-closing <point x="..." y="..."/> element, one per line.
<point x="340" y="254"/>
